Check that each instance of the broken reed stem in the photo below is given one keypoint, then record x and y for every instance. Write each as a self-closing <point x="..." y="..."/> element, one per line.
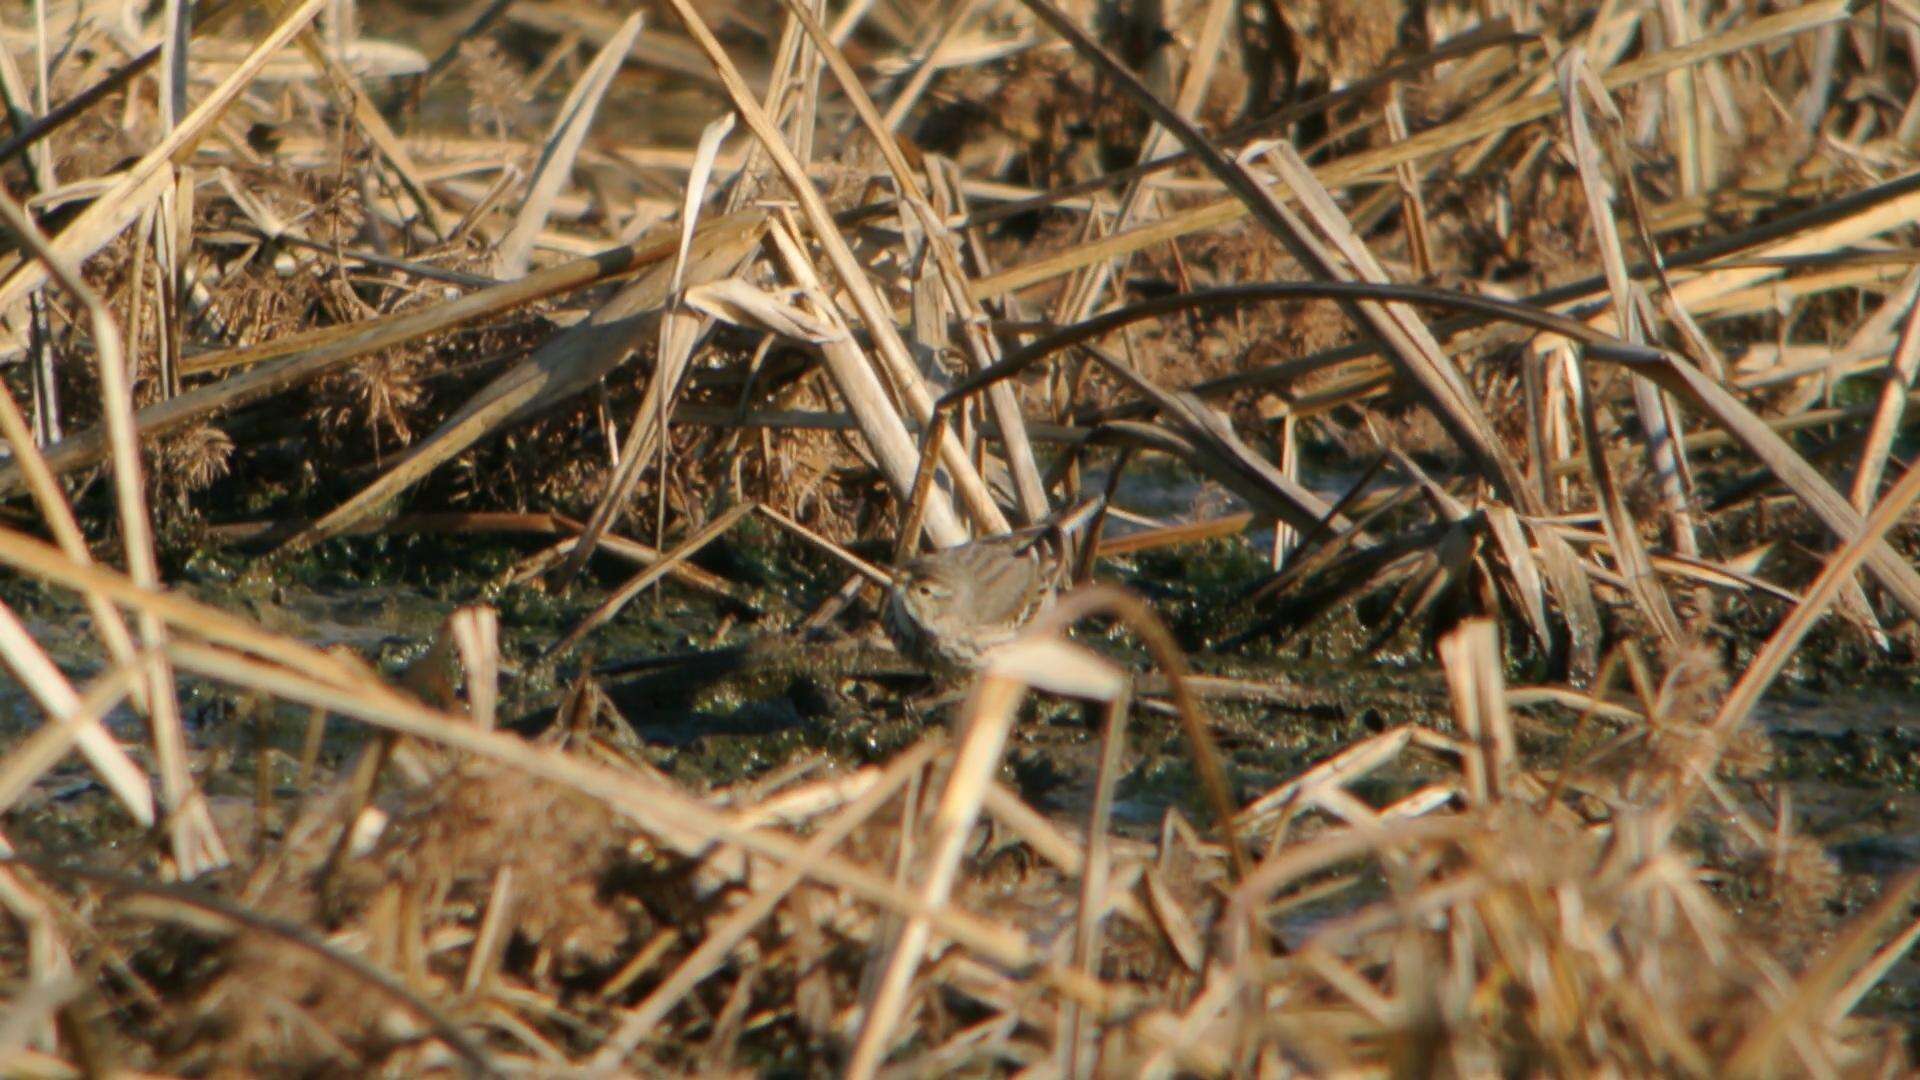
<point x="1165" y="653"/>
<point x="888" y="348"/>
<point x="1352" y="994"/>
<point x="196" y="843"/>
<point x="140" y="184"/>
<point x="634" y="585"/>
<point x="987" y="718"/>
<point x="719" y="941"/>
<point x="1839" y="569"/>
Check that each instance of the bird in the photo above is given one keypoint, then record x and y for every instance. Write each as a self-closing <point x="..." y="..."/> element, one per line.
<point x="947" y="610"/>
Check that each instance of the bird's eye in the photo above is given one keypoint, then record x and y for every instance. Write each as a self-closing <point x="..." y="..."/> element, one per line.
<point x="923" y="588"/>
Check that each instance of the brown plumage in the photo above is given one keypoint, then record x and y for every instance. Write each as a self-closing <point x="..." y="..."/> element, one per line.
<point x="948" y="609"/>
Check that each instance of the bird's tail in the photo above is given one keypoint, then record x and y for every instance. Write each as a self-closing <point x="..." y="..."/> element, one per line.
<point x="1069" y="537"/>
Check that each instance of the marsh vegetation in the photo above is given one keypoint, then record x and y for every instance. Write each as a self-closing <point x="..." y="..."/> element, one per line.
<point x="455" y="454"/>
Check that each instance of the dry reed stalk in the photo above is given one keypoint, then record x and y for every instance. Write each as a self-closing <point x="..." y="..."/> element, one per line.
<point x="1495" y="34"/>
<point x="1846" y="998"/>
<point x="49" y="965"/>
<point x="1623" y="533"/>
<point x="638" y="583"/>
<point x="1409" y="343"/>
<point x="987" y="719"/>
<point x="1766" y="665"/>
<point x="1888" y="411"/>
<point x="368" y="119"/>
<point x="1681" y="379"/>
<point x="142" y="183"/>
<point x="301" y="357"/>
<point x="1206" y="441"/>
<point x="1368" y="163"/>
<point x="680" y="332"/>
<point x="654" y="49"/>
<point x="675" y="820"/>
<point x="1160" y="645"/>
<point x="32" y="138"/>
<point x="73" y="719"/>
<point x="1524" y="575"/>
<point x="476" y="633"/>
<point x="198" y="620"/>
<point x="860" y="386"/>
<point x="1351" y="763"/>
<point x="538" y="524"/>
<point x="197" y="847"/>
<point x="1082" y="292"/>
<point x="1711" y="252"/>
<point x="721" y="940"/>
<point x="981" y="347"/>
<point x="57" y="516"/>
<point x="1723" y="285"/>
<point x="853" y="562"/>
<point x="1477" y="916"/>
<point x="173" y="902"/>
<point x="889" y="349"/>
<point x="565" y="365"/>
<point x="513" y="254"/>
<point x="1818" y="996"/>
<point x="1705" y="571"/>
<point x="1657" y="418"/>
<point x="1470" y="657"/>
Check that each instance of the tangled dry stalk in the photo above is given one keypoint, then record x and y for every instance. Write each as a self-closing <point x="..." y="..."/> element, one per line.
<point x="1607" y="316"/>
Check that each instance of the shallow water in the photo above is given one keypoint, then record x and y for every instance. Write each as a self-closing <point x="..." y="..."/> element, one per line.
<point x="1848" y="760"/>
<point x="1854" y="761"/>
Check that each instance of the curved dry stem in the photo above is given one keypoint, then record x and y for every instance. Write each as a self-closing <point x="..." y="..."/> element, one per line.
<point x="1018" y="360"/>
<point x="1138" y="617"/>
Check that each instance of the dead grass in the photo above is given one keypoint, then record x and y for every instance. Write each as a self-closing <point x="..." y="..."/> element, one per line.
<point x="652" y="275"/>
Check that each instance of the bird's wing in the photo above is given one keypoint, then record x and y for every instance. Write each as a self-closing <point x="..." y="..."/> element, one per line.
<point x="1003" y="581"/>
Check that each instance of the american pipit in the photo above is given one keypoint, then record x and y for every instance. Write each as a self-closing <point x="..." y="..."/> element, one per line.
<point x="950" y="608"/>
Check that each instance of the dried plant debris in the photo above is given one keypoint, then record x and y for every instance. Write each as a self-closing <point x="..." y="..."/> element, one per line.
<point x="457" y="460"/>
<point x="1492" y="931"/>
